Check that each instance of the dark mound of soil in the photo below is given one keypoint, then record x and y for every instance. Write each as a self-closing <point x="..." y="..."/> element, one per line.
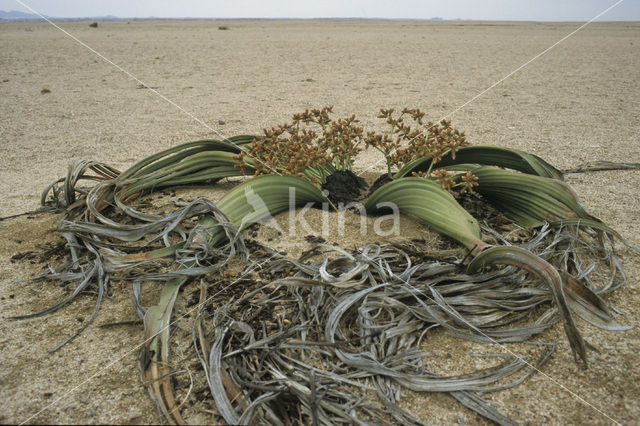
<point x="382" y="179"/>
<point x="344" y="186"/>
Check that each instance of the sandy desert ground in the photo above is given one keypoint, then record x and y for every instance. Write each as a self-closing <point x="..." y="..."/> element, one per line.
<point x="578" y="102"/>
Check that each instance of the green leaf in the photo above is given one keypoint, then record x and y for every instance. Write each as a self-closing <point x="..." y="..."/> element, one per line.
<point x="267" y="195"/>
<point x="261" y="197"/>
<point x="428" y="202"/>
<point x="177" y="153"/>
<point x="487" y="156"/>
<point x="250" y="202"/>
<point x="199" y="167"/>
<point x="154" y="362"/>
<point x="529" y="200"/>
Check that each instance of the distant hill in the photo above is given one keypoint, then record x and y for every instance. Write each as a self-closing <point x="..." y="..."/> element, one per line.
<point x="14" y="15"/>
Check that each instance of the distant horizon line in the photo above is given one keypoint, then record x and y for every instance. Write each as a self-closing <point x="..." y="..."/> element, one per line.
<point x="30" y="17"/>
<point x="186" y="18"/>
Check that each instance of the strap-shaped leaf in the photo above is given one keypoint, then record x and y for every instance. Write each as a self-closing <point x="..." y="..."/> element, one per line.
<point x="589" y="306"/>
<point x="264" y="196"/>
<point x="154" y="361"/>
<point x="248" y="203"/>
<point x="529" y="200"/>
<point x="193" y="162"/>
<point x="487" y="156"/>
<point x="510" y="255"/>
<point x="242" y="205"/>
<point x="429" y="203"/>
<point x="198" y="167"/>
<point x="177" y="153"/>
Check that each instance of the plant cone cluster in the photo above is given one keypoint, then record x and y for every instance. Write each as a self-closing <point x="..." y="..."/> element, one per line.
<point x="406" y="141"/>
<point x="312" y="147"/>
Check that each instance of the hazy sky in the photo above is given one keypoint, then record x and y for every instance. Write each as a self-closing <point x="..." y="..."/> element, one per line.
<point x="541" y="10"/>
